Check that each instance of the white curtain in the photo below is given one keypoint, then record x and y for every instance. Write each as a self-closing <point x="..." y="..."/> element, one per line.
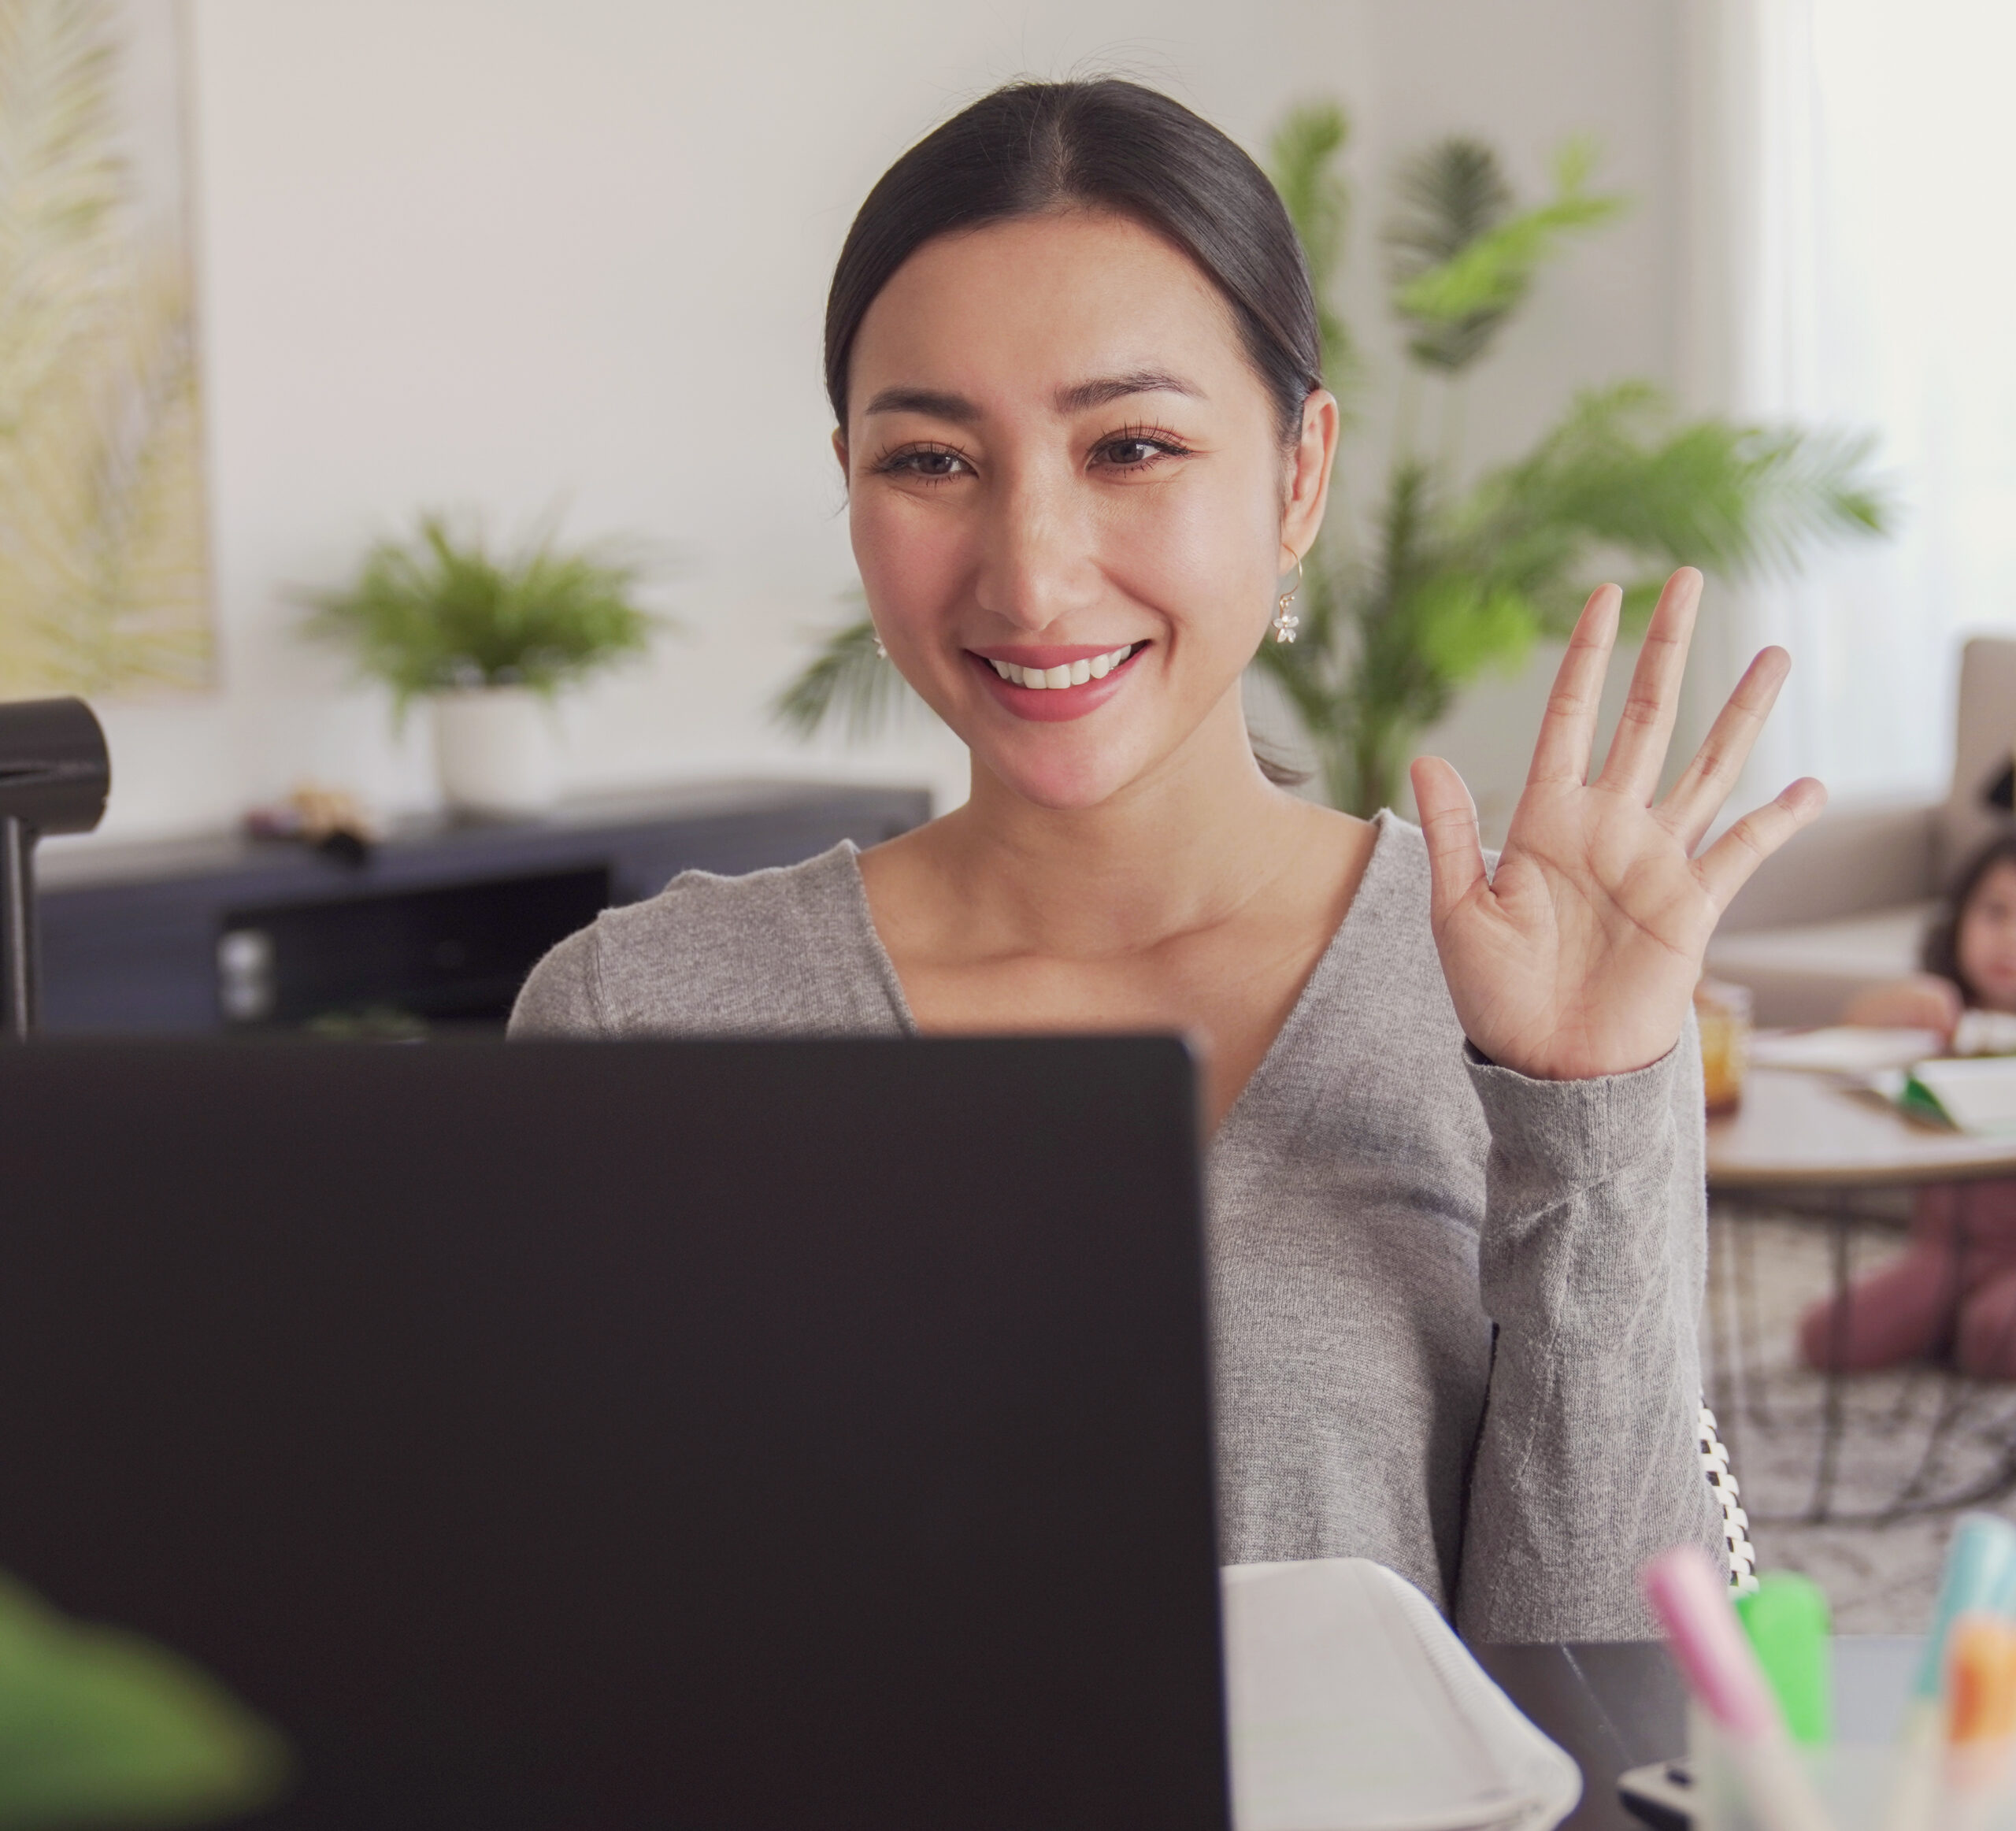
<point x="1853" y="263"/>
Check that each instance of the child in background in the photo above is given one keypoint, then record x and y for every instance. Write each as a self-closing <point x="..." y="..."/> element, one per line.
<point x="1956" y="1283"/>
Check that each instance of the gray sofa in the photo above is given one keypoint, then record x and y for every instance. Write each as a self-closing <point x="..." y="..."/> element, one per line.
<point x="1846" y="904"/>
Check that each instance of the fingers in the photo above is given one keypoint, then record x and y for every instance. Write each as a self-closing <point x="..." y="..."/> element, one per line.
<point x="1698" y="796"/>
<point x="1570" y="728"/>
<point x="1449" y="821"/>
<point x="1638" y="750"/>
<point x="1726" y="865"/>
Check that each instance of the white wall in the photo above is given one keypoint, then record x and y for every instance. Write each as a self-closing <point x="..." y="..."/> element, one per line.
<point x="499" y="253"/>
<point x="1525" y="77"/>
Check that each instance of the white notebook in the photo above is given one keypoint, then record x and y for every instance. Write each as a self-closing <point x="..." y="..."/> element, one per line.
<point x="1354" y="1708"/>
<point x="1979" y="1095"/>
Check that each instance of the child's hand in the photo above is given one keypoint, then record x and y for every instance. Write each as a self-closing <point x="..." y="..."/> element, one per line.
<point x="1923" y="1001"/>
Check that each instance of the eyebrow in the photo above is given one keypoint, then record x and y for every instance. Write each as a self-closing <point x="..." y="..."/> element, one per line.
<point x="1096" y="393"/>
<point x="1077" y="398"/>
<point x="924" y="400"/>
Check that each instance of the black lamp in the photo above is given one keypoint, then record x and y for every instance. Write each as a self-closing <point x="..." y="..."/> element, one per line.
<point x="54" y="775"/>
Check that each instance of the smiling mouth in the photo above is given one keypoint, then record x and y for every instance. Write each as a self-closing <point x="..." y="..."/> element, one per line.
<point x="1074" y="674"/>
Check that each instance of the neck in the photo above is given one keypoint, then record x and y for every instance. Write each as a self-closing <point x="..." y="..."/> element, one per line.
<point x="1182" y="848"/>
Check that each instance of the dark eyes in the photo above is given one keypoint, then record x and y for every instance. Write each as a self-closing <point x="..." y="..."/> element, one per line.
<point x="1127" y="451"/>
<point x="932" y="462"/>
<point x="1137" y="450"/>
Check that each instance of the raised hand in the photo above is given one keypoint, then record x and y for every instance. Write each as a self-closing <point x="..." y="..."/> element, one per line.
<point x="1579" y="956"/>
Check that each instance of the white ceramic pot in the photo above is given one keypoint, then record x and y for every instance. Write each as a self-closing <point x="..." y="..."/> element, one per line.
<point x="495" y="749"/>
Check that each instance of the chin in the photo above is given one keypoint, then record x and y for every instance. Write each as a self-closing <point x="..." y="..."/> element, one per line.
<point x="1064" y="777"/>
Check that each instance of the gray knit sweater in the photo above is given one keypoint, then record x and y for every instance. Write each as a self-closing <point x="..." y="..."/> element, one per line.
<point x="1453" y="1308"/>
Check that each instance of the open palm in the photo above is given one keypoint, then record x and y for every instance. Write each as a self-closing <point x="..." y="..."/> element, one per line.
<point x="1579" y="955"/>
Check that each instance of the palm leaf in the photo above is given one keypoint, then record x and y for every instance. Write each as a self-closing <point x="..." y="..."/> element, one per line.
<point x="1301" y="160"/>
<point x="1616" y="472"/>
<point x="849" y="676"/>
<point x="1461" y="260"/>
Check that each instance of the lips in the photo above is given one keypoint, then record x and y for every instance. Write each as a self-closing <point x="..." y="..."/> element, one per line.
<point x="1085" y="678"/>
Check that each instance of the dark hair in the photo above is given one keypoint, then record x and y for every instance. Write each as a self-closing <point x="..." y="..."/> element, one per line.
<point x="1942" y="944"/>
<point x="1105" y="144"/>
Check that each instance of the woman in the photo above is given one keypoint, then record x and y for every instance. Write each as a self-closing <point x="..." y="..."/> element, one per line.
<point x="1072" y="355"/>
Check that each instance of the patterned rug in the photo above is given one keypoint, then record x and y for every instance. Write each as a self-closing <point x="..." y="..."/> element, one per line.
<point x="1912" y="1447"/>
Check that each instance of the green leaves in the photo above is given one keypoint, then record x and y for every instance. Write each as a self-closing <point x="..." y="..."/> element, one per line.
<point x="1464" y="582"/>
<point x="1617" y="471"/>
<point x="443" y="611"/>
<point x="1301" y="160"/>
<point x="849" y="674"/>
<point x="102" y="1728"/>
<point x="1462" y="260"/>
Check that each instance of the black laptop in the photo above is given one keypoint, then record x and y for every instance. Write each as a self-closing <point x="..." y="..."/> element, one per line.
<point x="710" y="1434"/>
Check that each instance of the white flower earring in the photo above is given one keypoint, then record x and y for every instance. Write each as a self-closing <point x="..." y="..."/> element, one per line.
<point x="1285" y="619"/>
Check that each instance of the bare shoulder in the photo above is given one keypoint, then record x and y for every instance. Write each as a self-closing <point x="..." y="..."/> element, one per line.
<point x="913" y="886"/>
<point x="1332" y="851"/>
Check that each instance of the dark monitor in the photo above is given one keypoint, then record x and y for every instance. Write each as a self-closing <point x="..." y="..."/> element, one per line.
<point x="681" y="1434"/>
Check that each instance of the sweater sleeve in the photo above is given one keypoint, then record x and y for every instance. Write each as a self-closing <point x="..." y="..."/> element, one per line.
<point x="1592" y="1262"/>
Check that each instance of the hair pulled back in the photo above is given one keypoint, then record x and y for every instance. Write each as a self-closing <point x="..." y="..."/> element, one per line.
<point x="1105" y="144"/>
<point x="1942" y="942"/>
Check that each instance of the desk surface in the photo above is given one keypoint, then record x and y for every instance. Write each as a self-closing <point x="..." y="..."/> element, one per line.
<point x="1619" y="1706"/>
<point x="1805" y="1131"/>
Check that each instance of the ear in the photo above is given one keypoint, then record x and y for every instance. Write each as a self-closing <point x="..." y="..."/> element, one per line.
<point x="1308" y="472"/>
<point x="840" y="451"/>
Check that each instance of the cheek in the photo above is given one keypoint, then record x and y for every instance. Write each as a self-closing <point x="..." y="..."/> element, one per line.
<point x="1985" y="942"/>
<point x="1203" y="556"/>
<point x="911" y="563"/>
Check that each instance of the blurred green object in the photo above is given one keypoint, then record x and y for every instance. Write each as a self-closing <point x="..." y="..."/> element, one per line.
<point x="1445" y="575"/>
<point x="443" y="611"/>
<point x="369" y="1024"/>
<point x="851" y="675"/>
<point x="101" y="1727"/>
<point x="1785" y="1617"/>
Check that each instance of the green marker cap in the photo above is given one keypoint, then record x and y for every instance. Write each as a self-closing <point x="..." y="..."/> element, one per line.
<point x="1786" y="1619"/>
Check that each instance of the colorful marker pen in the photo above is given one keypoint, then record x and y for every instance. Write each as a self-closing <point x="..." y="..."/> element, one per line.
<point x="1981" y="1717"/>
<point x="1980" y="1578"/>
<point x="1691" y="1598"/>
<point x="1785" y="1620"/>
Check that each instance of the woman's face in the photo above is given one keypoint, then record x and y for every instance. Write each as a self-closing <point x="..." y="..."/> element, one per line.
<point x="1986" y="943"/>
<point x="1061" y="467"/>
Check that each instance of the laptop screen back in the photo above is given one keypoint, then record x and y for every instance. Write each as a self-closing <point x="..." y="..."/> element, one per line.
<point x="708" y="1434"/>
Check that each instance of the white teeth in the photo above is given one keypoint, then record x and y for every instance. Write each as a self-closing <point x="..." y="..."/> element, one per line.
<point x="1077" y="674"/>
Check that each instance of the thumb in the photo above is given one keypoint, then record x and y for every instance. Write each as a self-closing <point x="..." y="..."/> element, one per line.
<point x="1449" y="821"/>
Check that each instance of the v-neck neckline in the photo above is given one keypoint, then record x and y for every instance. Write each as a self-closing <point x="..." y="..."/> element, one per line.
<point x="1300" y="1013"/>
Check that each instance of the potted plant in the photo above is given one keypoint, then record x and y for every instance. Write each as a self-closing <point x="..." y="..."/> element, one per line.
<point x="489" y="639"/>
<point x="1451" y="573"/>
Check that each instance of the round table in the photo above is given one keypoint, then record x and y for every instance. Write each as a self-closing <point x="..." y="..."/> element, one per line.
<point x="1805" y="1131"/>
<point x="1812" y="1143"/>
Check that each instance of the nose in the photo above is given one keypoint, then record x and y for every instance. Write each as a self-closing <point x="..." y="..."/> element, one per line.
<point x="1038" y="562"/>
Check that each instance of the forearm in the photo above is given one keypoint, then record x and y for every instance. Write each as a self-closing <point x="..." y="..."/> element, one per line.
<point x="1590" y="1265"/>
